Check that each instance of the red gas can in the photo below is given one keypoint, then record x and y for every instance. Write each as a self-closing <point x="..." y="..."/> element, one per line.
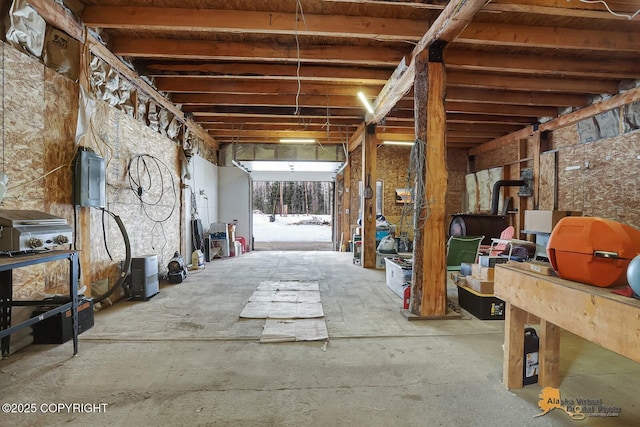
<point x="407" y="296"/>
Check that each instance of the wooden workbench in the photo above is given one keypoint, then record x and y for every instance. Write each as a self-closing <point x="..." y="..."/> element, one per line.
<point x="595" y="314"/>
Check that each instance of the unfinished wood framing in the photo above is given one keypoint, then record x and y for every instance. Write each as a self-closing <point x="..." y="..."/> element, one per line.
<point x="596" y="316"/>
<point x="368" y="197"/>
<point x="429" y="281"/>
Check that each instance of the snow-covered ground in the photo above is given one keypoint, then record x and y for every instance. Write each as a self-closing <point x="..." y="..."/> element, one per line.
<point x="292" y="228"/>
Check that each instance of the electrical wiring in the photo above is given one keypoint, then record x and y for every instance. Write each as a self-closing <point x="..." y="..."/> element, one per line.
<point x="620" y="15"/>
<point x="301" y="12"/>
<point x="39" y="178"/>
<point x="141" y="183"/>
<point x="415" y="182"/>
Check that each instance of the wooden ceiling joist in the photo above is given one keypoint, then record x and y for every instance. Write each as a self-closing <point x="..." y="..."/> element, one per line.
<point x="261" y="52"/>
<point x="544" y="37"/>
<point x="241" y="70"/>
<point x="255" y="22"/>
<point x="455" y="17"/>
<point x="564" y="65"/>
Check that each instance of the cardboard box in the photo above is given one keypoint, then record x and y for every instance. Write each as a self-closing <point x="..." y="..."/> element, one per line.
<point x="484" y="307"/>
<point x="484" y="273"/>
<point x="544" y="221"/>
<point x="479" y="285"/>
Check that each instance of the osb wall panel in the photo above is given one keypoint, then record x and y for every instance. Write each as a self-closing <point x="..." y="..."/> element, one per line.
<point x="548" y="184"/>
<point x="392" y="168"/>
<point x="39" y="128"/>
<point x="152" y="227"/>
<point x="606" y="183"/>
<point x="495" y="158"/>
<point x="24" y="101"/>
<point x="60" y="118"/>
<point x="598" y="178"/>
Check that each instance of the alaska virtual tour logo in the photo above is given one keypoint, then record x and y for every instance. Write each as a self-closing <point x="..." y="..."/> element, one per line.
<point x="577" y="409"/>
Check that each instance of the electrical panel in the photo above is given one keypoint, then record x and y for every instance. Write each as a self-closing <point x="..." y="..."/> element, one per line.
<point x="89" y="179"/>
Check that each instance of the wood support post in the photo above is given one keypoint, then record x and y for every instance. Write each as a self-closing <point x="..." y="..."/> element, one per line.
<point x="346" y="203"/>
<point x="429" y="287"/>
<point x="536" y="169"/>
<point x="369" y="153"/>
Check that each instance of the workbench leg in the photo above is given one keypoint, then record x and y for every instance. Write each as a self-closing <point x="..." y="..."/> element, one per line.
<point x="512" y="368"/>
<point x="549" y="355"/>
<point x="73" y="294"/>
<point x="6" y="299"/>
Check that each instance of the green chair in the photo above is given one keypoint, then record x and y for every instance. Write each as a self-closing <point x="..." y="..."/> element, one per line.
<point x="462" y="249"/>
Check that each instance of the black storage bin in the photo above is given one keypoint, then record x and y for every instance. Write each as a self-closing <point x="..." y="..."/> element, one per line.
<point x="58" y="329"/>
<point x="482" y="306"/>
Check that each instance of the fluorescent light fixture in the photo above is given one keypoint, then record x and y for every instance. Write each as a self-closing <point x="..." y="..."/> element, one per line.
<point x="291" y="166"/>
<point x="366" y="102"/>
<point x="404" y="143"/>
<point x="299" y="140"/>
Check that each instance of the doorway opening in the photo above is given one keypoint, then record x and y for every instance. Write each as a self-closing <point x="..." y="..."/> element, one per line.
<point x="293" y="215"/>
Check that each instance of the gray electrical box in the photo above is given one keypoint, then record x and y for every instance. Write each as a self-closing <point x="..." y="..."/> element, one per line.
<point x="89" y="182"/>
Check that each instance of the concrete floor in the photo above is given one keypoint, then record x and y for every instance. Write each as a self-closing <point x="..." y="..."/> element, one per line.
<point x="184" y="358"/>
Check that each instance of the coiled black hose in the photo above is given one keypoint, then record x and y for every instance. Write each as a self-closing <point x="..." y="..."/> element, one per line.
<point x="127" y="262"/>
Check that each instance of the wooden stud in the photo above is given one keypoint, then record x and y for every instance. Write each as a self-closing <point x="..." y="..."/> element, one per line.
<point x="513" y="361"/>
<point x="549" y="355"/>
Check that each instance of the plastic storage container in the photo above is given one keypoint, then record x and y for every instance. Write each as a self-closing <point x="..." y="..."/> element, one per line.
<point x="593" y="250"/>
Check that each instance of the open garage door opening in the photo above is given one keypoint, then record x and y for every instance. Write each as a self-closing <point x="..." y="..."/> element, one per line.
<point x="294" y="215"/>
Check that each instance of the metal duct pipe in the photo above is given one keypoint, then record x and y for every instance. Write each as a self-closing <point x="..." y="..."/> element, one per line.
<point x="495" y="196"/>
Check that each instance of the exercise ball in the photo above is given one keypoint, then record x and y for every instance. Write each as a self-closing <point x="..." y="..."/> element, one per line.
<point x="633" y="274"/>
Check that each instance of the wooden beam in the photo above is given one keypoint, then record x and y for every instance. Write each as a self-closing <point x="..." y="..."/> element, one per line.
<point x="203" y="85"/>
<point x="555" y="9"/>
<point x="267" y="126"/>
<point x="429" y="283"/>
<point x="616" y="101"/>
<point x="531" y="83"/>
<point x="483" y="33"/>
<point x="499" y="96"/>
<point x="346" y="202"/>
<point x="243" y="70"/>
<point x="501" y="110"/>
<point x="275" y="134"/>
<point x="368" y="203"/>
<point x="434" y="296"/>
<point x="333" y="101"/>
<point x="254" y="22"/>
<point x="529" y="64"/>
<point x="265" y="52"/>
<point x="536" y="169"/>
<point x="356" y="139"/>
<point x="569" y="119"/>
<point x="450" y="23"/>
<point x="499" y="142"/>
<point x="57" y="16"/>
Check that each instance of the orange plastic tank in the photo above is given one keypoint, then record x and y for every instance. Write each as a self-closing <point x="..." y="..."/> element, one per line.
<point x="593" y="250"/>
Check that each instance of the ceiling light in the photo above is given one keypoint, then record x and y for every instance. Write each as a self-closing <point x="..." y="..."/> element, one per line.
<point x="366" y="102"/>
<point x="404" y="143"/>
<point x="299" y="140"/>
